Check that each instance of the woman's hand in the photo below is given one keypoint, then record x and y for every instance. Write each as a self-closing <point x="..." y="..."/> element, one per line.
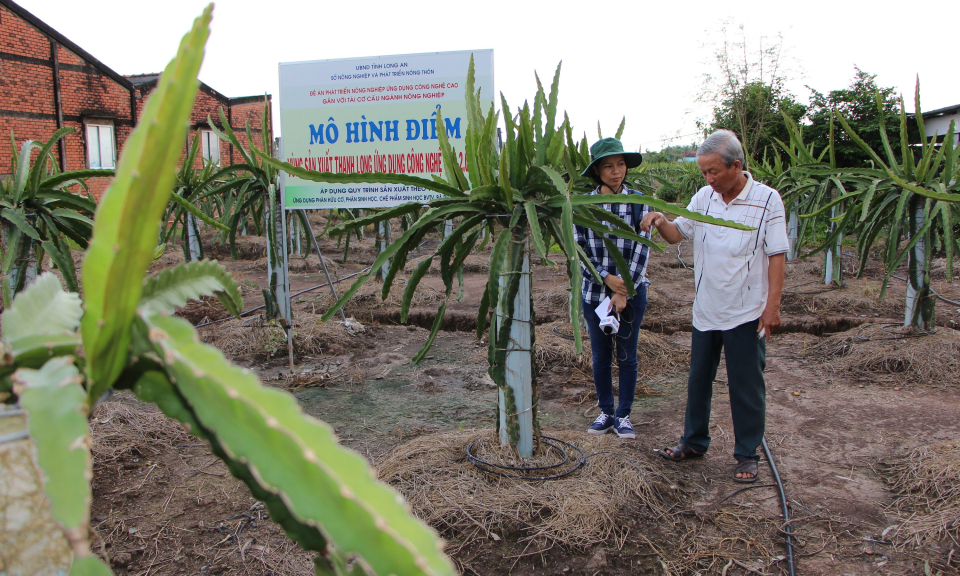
<point x="616" y="284"/>
<point x="618" y="303"/>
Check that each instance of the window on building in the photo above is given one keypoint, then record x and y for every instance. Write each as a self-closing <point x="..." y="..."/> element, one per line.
<point x="101" y="151"/>
<point x="210" y="146"/>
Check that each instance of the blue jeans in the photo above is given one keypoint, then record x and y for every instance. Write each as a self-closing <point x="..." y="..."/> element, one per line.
<point x="624" y="346"/>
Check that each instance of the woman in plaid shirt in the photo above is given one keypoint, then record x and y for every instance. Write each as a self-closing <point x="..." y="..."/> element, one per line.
<point x="609" y="168"/>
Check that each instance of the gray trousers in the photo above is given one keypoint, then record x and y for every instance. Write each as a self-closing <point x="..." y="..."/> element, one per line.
<point x="746" y="359"/>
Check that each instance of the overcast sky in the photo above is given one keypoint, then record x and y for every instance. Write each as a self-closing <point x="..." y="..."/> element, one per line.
<point x="642" y="60"/>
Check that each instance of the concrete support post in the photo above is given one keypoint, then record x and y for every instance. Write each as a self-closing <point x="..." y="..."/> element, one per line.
<point x="519" y="363"/>
<point x="919" y="305"/>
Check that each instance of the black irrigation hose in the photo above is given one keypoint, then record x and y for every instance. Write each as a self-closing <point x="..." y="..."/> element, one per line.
<point x="932" y="291"/>
<point x="242" y="314"/>
<point x="896" y="335"/>
<point x="549" y="441"/>
<point x="495" y="468"/>
<point x="787" y="528"/>
<point x="338" y="280"/>
<point x="790" y="289"/>
<point x="751" y="487"/>
<point x="561" y="334"/>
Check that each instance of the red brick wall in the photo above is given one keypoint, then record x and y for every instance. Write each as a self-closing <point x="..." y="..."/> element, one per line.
<point x="242" y="114"/>
<point x="88" y="94"/>
<point x="26" y="87"/>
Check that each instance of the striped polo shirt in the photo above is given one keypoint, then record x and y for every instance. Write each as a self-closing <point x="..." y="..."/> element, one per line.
<point x="730" y="266"/>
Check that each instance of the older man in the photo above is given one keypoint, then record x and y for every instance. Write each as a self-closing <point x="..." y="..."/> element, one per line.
<point x="739" y="278"/>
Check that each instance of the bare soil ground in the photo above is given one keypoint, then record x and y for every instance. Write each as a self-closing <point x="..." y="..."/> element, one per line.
<point x="846" y="418"/>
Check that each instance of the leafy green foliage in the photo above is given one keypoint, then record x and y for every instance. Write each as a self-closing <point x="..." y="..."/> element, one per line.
<point x="669" y="154"/>
<point x="58" y="424"/>
<point x="858" y="105"/>
<point x="43" y="309"/>
<point x="807" y="182"/>
<point x="254" y="194"/>
<point x="914" y="198"/>
<point x="227" y="199"/>
<point x="754" y="113"/>
<point x="89" y="566"/>
<point x="40" y="214"/>
<point x="901" y="197"/>
<point x="748" y="92"/>
<point x="173" y="287"/>
<point x="55" y="401"/>
<point x="41" y="324"/>
<point x="674" y="182"/>
<point x="247" y="202"/>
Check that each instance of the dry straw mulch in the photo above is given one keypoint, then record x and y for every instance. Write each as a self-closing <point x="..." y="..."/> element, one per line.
<point x="605" y="503"/>
<point x="724" y="541"/>
<point x="367" y="297"/>
<point x="926" y="484"/>
<point x="120" y="429"/>
<point x="883" y="353"/>
<point x="252" y="338"/>
<point x="814" y="298"/>
<point x="465" y="503"/>
<point x="556" y="298"/>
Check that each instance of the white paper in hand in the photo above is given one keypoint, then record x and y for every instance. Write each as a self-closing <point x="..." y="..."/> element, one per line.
<point x="603" y="310"/>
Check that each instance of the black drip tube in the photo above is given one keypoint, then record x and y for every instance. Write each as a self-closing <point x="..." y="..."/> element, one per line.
<point x="242" y="314"/>
<point x="787" y="528"/>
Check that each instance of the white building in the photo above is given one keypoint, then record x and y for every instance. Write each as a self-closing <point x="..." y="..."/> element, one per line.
<point x="938" y="122"/>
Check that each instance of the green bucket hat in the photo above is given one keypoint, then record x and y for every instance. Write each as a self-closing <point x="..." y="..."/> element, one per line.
<point x="610" y="147"/>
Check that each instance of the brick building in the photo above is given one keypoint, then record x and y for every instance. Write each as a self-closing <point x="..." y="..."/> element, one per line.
<point x="47" y="82"/>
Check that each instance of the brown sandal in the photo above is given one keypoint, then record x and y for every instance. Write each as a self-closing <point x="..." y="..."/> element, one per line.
<point x="680" y="452"/>
<point x="746" y="466"/>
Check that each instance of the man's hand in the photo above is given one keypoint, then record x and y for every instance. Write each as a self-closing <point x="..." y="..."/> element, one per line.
<point x="776" y="270"/>
<point x="618" y="303"/>
<point x="654" y="219"/>
<point x="616" y="284"/>
<point x="667" y="229"/>
<point x="769" y="320"/>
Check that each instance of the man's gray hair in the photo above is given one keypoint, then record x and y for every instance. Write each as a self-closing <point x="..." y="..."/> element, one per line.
<point x="726" y="144"/>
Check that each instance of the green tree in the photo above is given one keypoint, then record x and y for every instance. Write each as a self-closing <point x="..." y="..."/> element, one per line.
<point x="755" y="113"/>
<point x="670" y="153"/>
<point x="748" y="93"/>
<point x="860" y="104"/>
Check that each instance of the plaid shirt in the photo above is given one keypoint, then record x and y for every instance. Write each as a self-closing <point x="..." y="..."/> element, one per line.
<point x="635" y="254"/>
